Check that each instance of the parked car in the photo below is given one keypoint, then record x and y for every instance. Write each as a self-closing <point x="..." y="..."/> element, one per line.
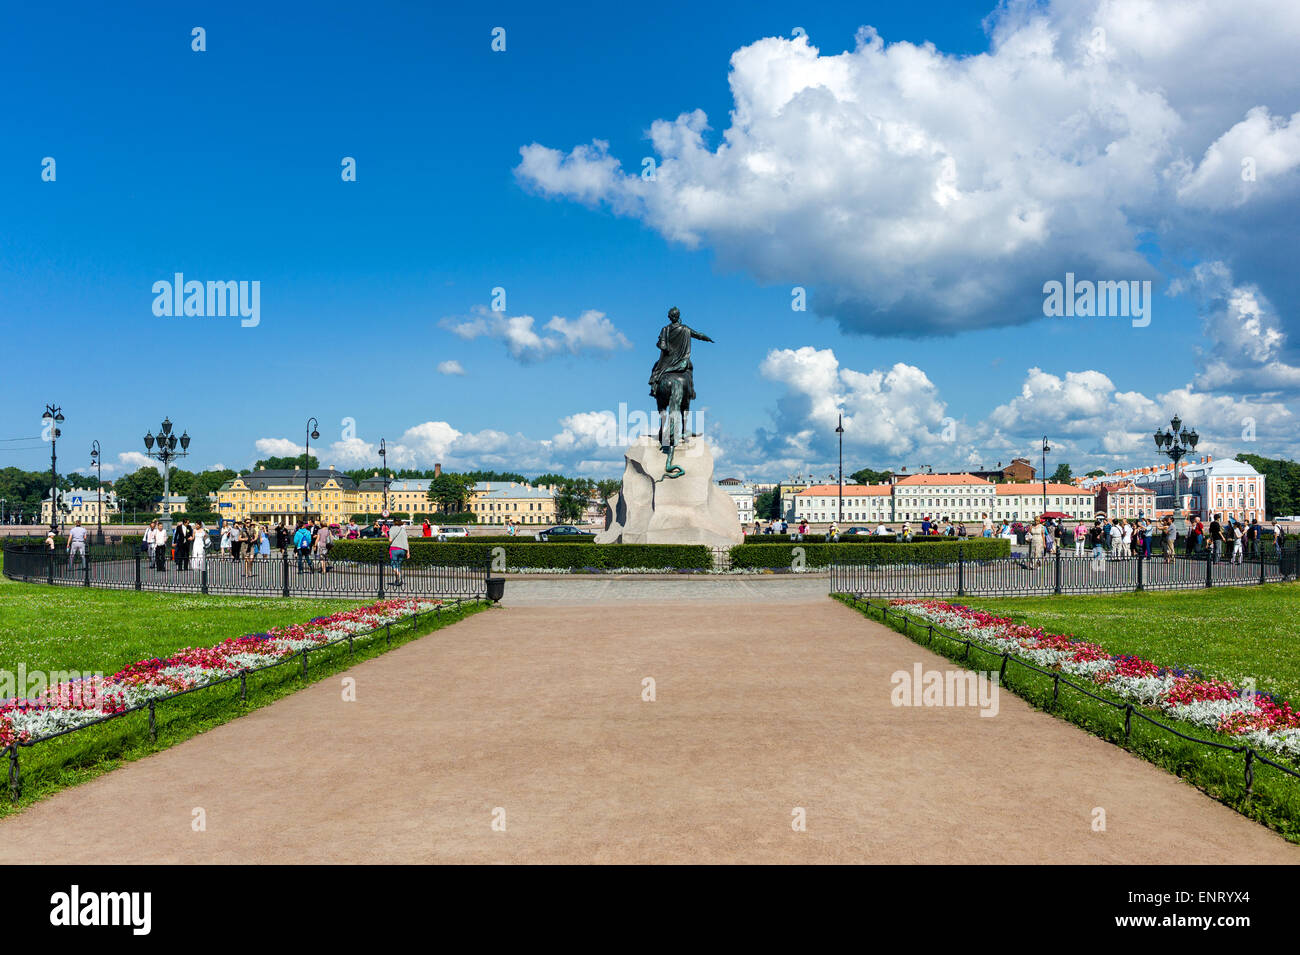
<point x="449" y="531"/>
<point x="865" y="531"/>
<point x="565" y="532"/>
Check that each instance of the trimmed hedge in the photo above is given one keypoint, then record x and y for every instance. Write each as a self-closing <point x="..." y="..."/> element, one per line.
<point x="822" y="555"/>
<point x="560" y="556"/>
<point x="819" y="537"/>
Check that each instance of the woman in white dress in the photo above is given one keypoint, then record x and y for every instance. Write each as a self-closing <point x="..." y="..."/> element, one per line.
<point x="199" y="549"/>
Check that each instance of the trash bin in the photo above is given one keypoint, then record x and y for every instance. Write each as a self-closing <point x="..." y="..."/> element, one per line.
<point x="496" y="588"/>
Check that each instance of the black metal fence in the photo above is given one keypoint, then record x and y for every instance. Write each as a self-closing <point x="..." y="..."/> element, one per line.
<point x="900" y="619"/>
<point x="126" y="567"/>
<point x="1059" y="574"/>
<point x="300" y="658"/>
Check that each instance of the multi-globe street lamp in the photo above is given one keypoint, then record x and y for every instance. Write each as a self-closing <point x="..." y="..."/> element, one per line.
<point x="312" y="425"/>
<point x="839" y="430"/>
<point x="53" y="417"/>
<point x="383" y="457"/>
<point x="1046" y="451"/>
<point x="97" y="462"/>
<point x="166" y="453"/>
<point x="1176" y="441"/>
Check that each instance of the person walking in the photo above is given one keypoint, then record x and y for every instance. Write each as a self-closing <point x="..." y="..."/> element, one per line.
<point x="199" y="547"/>
<point x="160" y="542"/>
<point x="323" y="539"/>
<point x="1238" y="542"/>
<point x="247" y="539"/>
<point x="264" y="542"/>
<point x="1080" y="538"/>
<point x="148" y="540"/>
<point x="281" y="538"/>
<point x="225" y="538"/>
<point x="76" y="544"/>
<point x="1279" y="537"/>
<point x="399" y="546"/>
<point x="302" y="547"/>
<point x="1216" y="538"/>
<point x="1171" y="535"/>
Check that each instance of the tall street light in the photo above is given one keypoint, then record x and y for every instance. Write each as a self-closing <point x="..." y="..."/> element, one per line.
<point x="839" y="430"/>
<point x="53" y="417"/>
<point x="166" y="453"/>
<point x="312" y="424"/>
<point x="383" y="456"/>
<point x="1176" y="441"/>
<point x="1046" y="451"/>
<point x="97" y="462"/>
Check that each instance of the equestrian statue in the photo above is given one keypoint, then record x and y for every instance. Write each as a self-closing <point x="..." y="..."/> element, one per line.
<point x="672" y="385"/>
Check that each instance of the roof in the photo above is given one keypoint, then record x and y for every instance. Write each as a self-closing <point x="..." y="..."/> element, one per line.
<point x="376" y="483"/>
<point x="509" y="490"/>
<point x="1030" y="487"/>
<point x="850" y="490"/>
<point x="1127" y="487"/>
<point x="1222" y="468"/>
<point x="930" y="480"/>
<point x="264" y="478"/>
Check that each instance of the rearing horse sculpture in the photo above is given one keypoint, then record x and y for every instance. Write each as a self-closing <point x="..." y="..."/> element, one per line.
<point x="672" y="385"/>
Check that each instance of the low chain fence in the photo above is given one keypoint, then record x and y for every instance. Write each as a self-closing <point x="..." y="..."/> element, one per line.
<point x="241" y="675"/>
<point x="1059" y="574"/>
<point x="1252" y="755"/>
<point x="127" y="567"/>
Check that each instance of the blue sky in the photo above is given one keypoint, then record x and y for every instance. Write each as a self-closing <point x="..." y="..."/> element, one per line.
<point x="922" y="229"/>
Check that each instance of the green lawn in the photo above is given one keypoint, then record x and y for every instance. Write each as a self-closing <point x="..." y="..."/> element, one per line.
<point x="73" y="628"/>
<point x="1229" y="632"/>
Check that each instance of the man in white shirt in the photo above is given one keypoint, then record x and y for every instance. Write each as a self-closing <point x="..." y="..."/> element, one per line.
<point x="77" y="543"/>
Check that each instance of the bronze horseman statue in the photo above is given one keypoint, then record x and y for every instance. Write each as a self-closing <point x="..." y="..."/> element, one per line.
<point x="672" y="384"/>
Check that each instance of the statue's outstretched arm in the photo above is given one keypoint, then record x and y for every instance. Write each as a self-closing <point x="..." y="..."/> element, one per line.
<point x="701" y="336"/>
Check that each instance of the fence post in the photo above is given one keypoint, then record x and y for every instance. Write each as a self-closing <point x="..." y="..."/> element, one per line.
<point x="85" y="563"/>
<point x="1209" y="566"/>
<point x="153" y="725"/>
<point x="961" y="572"/>
<point x="380" y="567"/>
<point x="50" y="572"/>
<point x="284" y="576"/>
<point x="203" y="578"/>
<point x="137" y="569"/>
<point x="1058" y="568"/>
<point x="1260" y="550"/>
<point x="1139" y="562"/>
<point x="1250" y="771"/>
<point x="15" y="783"/>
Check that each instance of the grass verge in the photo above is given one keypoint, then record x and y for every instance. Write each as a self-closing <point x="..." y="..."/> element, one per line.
<point x="1274" y="802"/>
<point x="51" y="766"/>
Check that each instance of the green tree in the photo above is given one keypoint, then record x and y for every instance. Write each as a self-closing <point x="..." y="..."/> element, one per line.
<point x="1281" y="483"/>
<point x="557" y="479"/>
<point x="1061" y="475"/>
<point x="868" y="476"/>
<point x="450" y="491"/>
<point x="572" y="499"/>
<point x="289" y="463"/>
<point x="1097" y="473"/>
<point x="608" y="489"/>
<point x="767" y="506"/>
<point x="139" y="491"/>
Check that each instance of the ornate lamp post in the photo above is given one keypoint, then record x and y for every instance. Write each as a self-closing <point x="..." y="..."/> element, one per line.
<point x="166" y="453"/>
<point x="1176" y="441"/>
<point x="96" y="462"/>
<point x="312" y="424"/>
<point x="1046" y="450"/>
<point x="839" y="430"/>
<point x="383" y="456"/>
<point x="53" y="417"/>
